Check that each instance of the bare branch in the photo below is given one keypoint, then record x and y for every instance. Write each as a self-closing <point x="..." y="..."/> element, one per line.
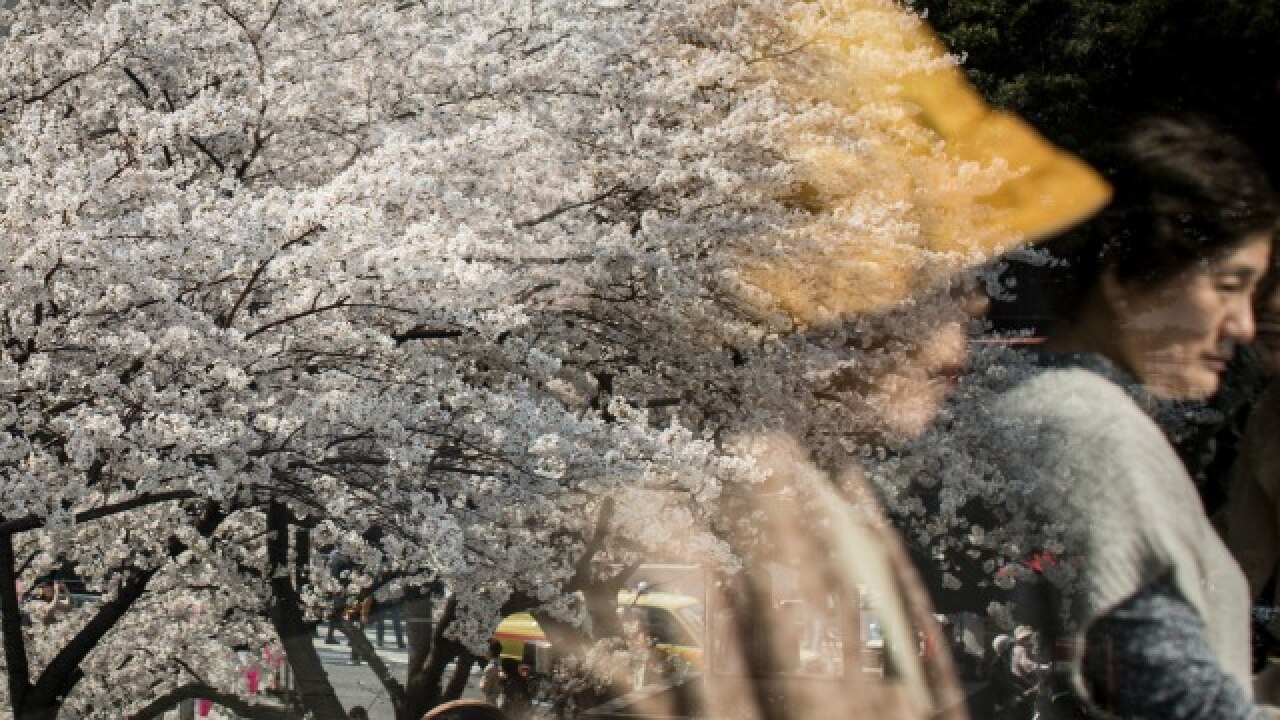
<point x="313" y="310"/>
<point x="552" y="214"/>
<point x="238" y="705"/>
<point x="257" y="273"/>
<point x="208" y="153"/>
<point x="424" y="332"/>
<point x="38" y="97"/>
<point x="31" y="522"/>
<point x="142" y="87"/>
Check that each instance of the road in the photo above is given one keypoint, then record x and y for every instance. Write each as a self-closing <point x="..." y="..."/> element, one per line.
<point x="356" y="684"/>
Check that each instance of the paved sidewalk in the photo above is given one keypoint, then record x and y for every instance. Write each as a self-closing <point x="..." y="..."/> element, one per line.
<point x="340" y="653"/>
<point x="356" y="684"/>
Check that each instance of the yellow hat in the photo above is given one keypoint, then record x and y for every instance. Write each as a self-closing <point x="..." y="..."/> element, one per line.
<point x="915" y="176"/>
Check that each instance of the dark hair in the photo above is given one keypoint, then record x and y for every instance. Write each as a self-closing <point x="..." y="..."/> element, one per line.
<point x="1184" y="192"/>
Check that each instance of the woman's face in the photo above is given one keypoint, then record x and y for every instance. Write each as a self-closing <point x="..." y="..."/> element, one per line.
<point x="1178" y="335"/>
<point x="923" y="361"/>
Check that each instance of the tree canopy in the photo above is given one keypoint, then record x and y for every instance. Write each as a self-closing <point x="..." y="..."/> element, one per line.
<point x="1078" y="69"/>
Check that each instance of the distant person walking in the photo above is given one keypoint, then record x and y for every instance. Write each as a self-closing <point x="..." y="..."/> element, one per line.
<point x="384" y="611"/>
<point x="339" y="567"/>
<point x="491" y="680"/>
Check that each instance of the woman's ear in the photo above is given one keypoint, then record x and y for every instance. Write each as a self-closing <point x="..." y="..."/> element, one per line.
<point x="1113" y="291"/>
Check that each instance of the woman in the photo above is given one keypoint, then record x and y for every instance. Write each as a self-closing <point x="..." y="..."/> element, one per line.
<point x="901" y="299"/>
<point x="1148" y="611"/>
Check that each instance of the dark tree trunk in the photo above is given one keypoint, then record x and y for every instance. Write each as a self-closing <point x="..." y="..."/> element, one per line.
<point x="418" y="627"/>
<point x="15" y="646"/>
<point x="302" y="558"/>
<point x="417" y="619"/>
<point x="363" y="649"/>
<point x="315" y="691"/>
<point x="425" y="687"/>
<point x="461" y="674"/>
<point x="42" y="699"/>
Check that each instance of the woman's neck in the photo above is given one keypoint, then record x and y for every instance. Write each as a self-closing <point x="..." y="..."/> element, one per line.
<point x="1090" y="332"/>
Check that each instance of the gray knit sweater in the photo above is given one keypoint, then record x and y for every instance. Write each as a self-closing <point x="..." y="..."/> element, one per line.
<point x="1098" y="468"/>
<point x="1148" y="658"/>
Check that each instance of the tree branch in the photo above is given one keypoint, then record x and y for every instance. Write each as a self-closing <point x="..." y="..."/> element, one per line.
<point x="556" y="212"/>
<point x="72" y="77"/>
<point x="158" y="707"/>
<point x="31" y="522"/>
<point x="363" y="649"/>
<point x="63" y="671"/>
<point x="582" y="569"/>
<point x="222" y="168"/>
<point x="313" y="310"/>
<point x="257" y="273"/>
<point x="142" y="87"/>
<point x="424" y="332"/>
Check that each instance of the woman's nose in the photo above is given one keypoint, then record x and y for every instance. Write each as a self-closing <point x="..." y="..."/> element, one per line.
<point x="977" y="304"/>
<point x="1239" y="324"/>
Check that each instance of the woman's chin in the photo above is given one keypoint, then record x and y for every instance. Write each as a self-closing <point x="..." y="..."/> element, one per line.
<point x="1192" y="384"/>
<point x="906" y="418"/>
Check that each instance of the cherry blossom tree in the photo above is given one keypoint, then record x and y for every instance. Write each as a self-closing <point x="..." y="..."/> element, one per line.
<point x="490" y="277"/>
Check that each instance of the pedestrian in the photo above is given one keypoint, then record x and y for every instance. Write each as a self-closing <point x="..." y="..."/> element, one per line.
<point x="640" y="650"/>
<point x="1007" y="695"/>
<point x="49" y="603"/>
<point x="1001" y="647"/>
<point x="358" y="614"/>
<point x="491" y="679"/>
<point x="339" y="568"/>
<point x="392" y="611"/>
<point x="1025" y="672"/>
<point x="273" y="658"/>
<point x="1145" y="607"/>
<point x="1022" y="661"/>
<point x="1250" y="519"/>
<point x="517" y="699"/>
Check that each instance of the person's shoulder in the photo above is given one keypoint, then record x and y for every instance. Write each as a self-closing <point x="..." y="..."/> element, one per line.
<point x="1049" y="387"/>
<point x="1081" y="427"/>
<point x="1072" y="398"/>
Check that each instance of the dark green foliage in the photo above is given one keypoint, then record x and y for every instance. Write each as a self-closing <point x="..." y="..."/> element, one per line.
<point x="1080" y="69"/>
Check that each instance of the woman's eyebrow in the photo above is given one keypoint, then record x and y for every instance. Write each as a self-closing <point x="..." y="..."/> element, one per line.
<point x="1243" y="272"/>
